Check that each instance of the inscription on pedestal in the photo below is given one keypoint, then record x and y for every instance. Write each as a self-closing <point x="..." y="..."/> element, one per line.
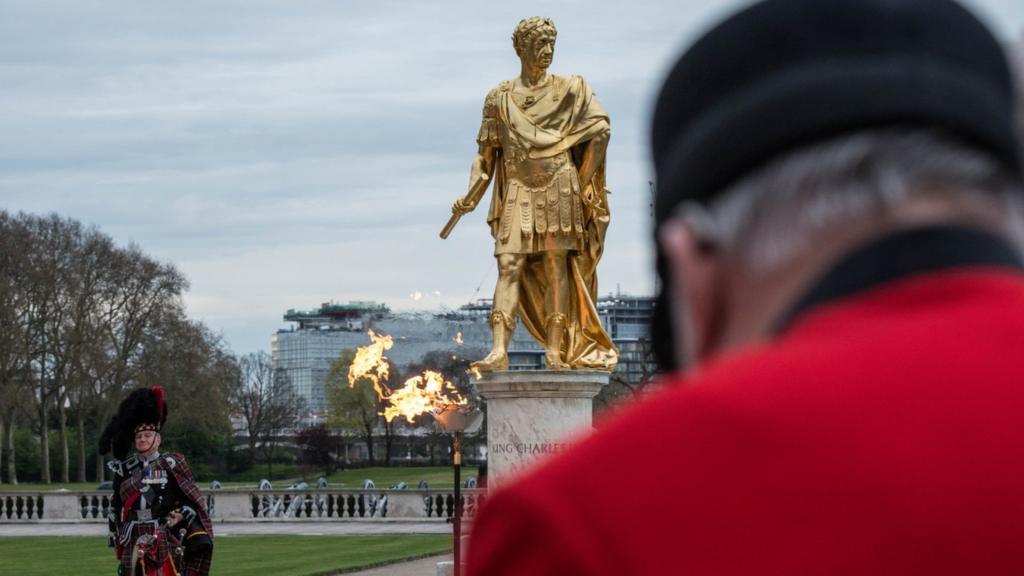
<point x="531" y="449"/>
<point x="533" y="414"/>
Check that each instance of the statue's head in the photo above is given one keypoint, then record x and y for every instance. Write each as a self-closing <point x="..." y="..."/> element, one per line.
<point x="534" y="41"/>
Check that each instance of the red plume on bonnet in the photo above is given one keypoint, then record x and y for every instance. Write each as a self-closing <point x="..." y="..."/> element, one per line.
<point x="161" y="410"/>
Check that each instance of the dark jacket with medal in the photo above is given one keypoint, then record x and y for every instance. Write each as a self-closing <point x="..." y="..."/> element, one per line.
<point x="150" y="491"/>
<point x="146" y="491"/>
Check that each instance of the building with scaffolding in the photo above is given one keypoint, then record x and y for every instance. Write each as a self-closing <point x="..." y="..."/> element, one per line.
<point x="306" y="350"/>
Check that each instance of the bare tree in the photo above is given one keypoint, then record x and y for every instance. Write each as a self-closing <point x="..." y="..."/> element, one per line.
<point x="267" y="403"/>
<point x="44" y="273"/>
<point x="79" y="269"/>
<point x="13" y="346"/>
<point x="77" y="317"/>
<point x="91" y="273"/>
<point x="198" y="373"/>
<point x="84" y="308"/>
<point x="138" y="291"/>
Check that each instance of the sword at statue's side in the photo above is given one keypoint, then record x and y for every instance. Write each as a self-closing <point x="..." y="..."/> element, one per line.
<point x="473" y="198"/>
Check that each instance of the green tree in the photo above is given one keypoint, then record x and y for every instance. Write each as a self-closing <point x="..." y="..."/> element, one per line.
<point x="355" y="408"/>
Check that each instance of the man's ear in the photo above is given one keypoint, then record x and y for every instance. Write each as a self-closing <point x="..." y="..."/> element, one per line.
<point x="693" y="271"/>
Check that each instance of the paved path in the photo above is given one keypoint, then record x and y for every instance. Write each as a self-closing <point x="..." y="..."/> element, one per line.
<point x="241" y="528"/>
<point x="421" y="567"/>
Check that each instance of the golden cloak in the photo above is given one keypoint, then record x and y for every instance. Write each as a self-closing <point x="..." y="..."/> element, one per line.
<point x="564" y="118"/>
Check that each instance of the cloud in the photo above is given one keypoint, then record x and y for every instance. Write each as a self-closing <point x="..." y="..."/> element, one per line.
<point x="283" y="154"/>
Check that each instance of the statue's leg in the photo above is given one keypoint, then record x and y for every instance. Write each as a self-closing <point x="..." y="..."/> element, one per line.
<point x="506" y="298"/>
<point x="556" y="304"/>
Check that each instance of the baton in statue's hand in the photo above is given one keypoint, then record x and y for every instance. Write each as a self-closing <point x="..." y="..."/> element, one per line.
<point x="474" y="196"/>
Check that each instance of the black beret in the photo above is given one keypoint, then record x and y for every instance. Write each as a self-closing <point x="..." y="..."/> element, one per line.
<point x="784" y="73"/>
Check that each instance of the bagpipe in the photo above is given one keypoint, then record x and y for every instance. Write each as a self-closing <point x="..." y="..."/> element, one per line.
<point x="193" y="539"/>
<point x="186" y="539"/>
<point x="144" y="559"/>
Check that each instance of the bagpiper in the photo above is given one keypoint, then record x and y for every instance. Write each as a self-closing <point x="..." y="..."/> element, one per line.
<point x="159" y="524"/>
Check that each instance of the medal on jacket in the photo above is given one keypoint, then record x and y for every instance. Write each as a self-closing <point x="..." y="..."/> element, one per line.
<point x="157" y="476"/>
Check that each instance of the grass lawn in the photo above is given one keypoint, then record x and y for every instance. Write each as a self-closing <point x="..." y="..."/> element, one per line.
<point x="383" y="477"/>
<point x="436" y="476"/>
<point x="279" y="473"/>
<point x="233" y="555"/>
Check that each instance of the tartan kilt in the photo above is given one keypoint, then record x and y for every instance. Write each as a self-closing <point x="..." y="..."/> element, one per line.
<point x="158" y="555"/>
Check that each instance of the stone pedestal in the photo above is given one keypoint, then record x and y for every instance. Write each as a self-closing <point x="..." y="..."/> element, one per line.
<point x="534" y="413"/>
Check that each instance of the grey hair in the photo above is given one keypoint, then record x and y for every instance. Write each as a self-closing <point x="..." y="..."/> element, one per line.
<point x="774" y="214"/>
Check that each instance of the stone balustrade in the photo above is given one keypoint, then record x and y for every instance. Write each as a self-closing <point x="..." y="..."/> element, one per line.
<point x="234" y="505"/>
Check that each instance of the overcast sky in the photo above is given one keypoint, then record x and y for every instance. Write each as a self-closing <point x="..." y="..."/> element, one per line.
<point x="287" y="153"/>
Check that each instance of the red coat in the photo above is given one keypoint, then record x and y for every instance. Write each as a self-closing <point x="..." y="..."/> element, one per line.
<point x="882" y="433"/>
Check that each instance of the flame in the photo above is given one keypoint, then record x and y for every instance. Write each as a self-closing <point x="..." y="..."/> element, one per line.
<point x="458" y="338"/>
<point x="427" y="392"/>
<point x="420" y="394"/>
<point x="371" y="363"/>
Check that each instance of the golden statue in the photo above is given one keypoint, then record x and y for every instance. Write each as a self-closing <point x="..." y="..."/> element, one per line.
<point x="542" y="141"/>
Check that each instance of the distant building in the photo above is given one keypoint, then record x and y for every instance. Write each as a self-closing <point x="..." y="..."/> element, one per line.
<point x="306" y="351"/>
<point x="627" y="319"/>
<point x="524" y="353"/>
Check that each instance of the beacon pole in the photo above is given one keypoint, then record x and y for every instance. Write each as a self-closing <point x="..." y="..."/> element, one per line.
<point x="456" y="421"/>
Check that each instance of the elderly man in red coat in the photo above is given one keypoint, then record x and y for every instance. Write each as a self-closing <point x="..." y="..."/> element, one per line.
<point x="839" y="228"/>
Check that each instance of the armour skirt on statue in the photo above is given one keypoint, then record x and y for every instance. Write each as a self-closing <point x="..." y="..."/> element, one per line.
<point x="541" y="219"/>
